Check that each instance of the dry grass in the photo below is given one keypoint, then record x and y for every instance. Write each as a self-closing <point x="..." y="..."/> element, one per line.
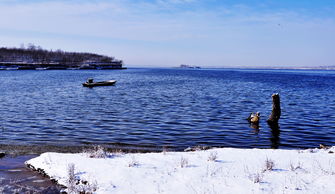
<point x="269" y="165"/>
<point x="295" y="167"/>
<point x="71" y="179"/>
<point x="183" y="162"/>
<point x="87" y="188"/>
<point x="212" y="156"/>
<point x="133" y="162"/>
<point x="165" y="149"/>
<point x="327" y="171"/>
<point x="96" y="152"/>
<point x="75" y="186"/>
<point x="256" y="178"/>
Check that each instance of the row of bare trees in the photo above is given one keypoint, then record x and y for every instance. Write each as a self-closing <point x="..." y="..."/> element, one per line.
<point x="36" y="54"/>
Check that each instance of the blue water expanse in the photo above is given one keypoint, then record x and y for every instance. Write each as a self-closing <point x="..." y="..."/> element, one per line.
<point x="177" y="108"/>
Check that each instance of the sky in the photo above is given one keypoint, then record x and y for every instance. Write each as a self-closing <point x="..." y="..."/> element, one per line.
<point x="167" y="33"/>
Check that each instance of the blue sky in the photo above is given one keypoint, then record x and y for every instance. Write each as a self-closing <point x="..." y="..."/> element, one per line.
<point x="212" y="33"/>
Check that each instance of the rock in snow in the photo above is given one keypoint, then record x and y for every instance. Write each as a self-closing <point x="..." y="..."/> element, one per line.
<point x="223" y="170"/>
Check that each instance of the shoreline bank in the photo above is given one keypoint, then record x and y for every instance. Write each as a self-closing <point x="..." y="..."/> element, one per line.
<point x="231" y="170"/>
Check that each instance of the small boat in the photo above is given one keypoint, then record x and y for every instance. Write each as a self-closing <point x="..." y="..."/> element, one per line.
<point x="12" y="68"/>
<point x="41" y="68"/>
<point x="90" y="83"/>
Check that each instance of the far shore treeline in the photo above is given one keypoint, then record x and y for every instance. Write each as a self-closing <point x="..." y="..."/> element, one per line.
<point x="35" y="57"/>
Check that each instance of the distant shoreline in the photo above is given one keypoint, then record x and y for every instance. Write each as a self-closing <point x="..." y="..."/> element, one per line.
<point x="35" y="58"/>
<point x="250" y="68"/>
<point x="58" y="66"/>
<point x="271" y="68"/>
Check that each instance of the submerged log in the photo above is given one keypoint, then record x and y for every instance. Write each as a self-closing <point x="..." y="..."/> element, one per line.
<point x="276" y="112"/>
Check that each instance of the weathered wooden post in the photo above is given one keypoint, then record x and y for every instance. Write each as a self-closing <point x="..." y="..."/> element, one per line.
<point x="273" y="121"/>
<point x="275" y="114"/>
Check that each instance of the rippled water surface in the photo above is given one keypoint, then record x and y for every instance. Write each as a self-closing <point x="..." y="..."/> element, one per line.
<point x="16" y="178"/>
<point x="152" y="108"/>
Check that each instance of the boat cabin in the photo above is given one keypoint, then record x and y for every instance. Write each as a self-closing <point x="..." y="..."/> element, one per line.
<point x="89" y="80"/>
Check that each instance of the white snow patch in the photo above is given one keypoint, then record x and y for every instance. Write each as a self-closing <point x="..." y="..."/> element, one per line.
<point x="230" y="171"/>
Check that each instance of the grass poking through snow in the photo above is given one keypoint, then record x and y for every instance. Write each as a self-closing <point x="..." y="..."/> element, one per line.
<point x="183" y="162"/>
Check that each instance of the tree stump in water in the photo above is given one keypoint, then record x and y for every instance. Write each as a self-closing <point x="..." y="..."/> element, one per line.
<point x="275" y="114"/>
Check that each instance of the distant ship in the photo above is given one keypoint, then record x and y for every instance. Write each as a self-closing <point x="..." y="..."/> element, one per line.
<point x="189" y="66"/>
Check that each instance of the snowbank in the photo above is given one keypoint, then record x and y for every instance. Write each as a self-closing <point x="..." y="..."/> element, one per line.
<point x="224" y="170"/>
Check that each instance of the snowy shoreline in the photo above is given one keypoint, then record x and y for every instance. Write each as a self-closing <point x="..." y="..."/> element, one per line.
<point x="221" y="170"/>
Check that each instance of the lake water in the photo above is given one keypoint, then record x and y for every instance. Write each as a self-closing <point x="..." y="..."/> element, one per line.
<point x="177" y="108"/>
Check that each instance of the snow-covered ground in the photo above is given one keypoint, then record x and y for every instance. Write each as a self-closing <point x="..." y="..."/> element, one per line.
<point x="224" y="170"/>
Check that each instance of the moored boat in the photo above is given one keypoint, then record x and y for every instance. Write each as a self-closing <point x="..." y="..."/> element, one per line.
<point x="91" y="83"/>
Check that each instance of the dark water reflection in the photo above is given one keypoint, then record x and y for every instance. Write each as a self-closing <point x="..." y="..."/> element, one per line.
<point x="166" y="107"/>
